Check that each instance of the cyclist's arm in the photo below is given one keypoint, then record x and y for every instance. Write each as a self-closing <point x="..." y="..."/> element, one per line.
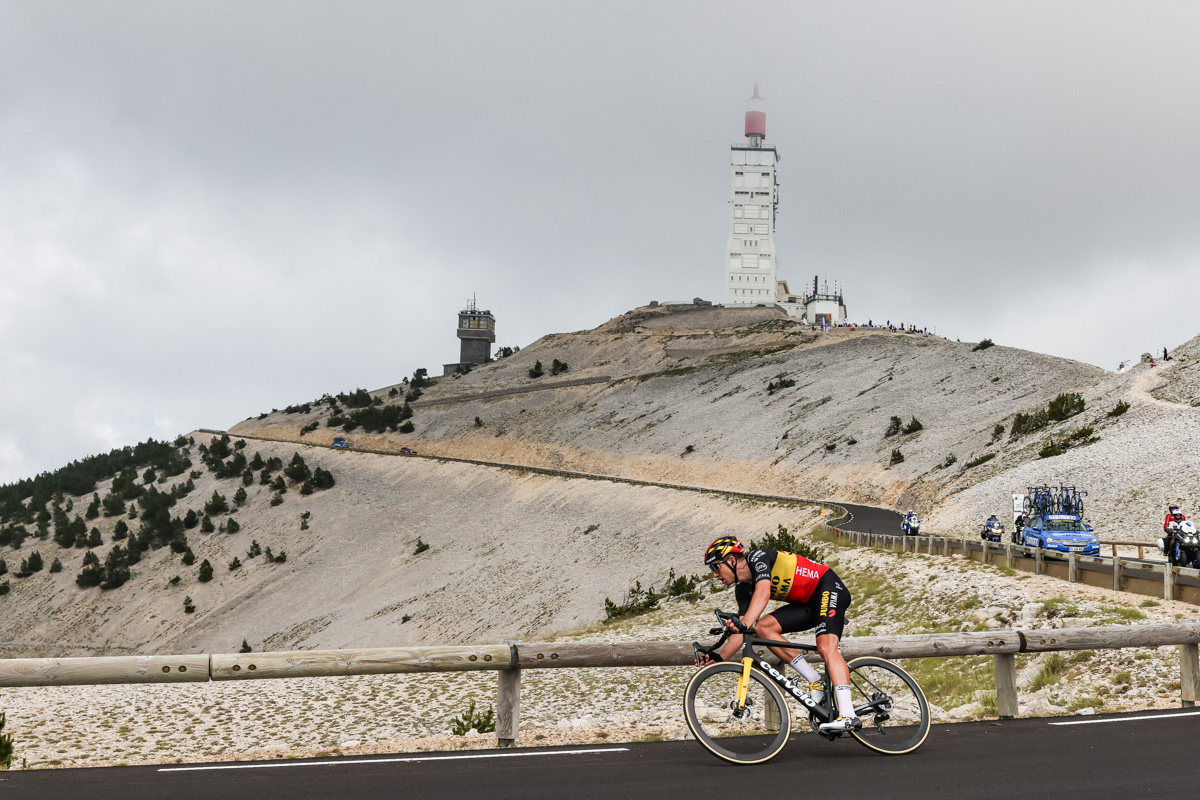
<point x="758" y="603"/>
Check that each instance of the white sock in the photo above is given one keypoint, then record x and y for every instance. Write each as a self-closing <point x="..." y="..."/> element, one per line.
<point x="844" y="703"/>
<point x="805" y="669"/>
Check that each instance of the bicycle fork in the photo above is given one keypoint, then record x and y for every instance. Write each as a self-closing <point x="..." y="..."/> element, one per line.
<point x="743" y="686"/>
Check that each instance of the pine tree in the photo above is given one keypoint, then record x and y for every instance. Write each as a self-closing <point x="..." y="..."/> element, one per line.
<point x="240" y="497"/>
<point x="190" y="519"/>
<point x="92" y="573"/>
<point x="189" y="557"/>
<point x="206" y="524"/>
<point x="297" y="471"/>
<point x="56" y="566"/>
<point x="6" y="743"/>
<point x="93" y="510"/>
<point x="121" y="531"/>
<point x="235" y="564"/>
<point x="216" y="504"/>
<point x="188" y="608"/>
<point x="3" y="566"/>
<point x="206" y="571"/>
<point x="233" y="526"/>
<point x="116" y="568"/>
<point x="245" y="647"/>
<point x="94" y="539"/>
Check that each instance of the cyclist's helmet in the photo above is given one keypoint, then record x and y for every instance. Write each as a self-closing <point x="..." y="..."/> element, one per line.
<point x="721" y="549"/>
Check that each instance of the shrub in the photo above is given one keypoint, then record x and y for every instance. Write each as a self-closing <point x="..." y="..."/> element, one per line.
<point x="304" y="518"/>
<point x="636" y="601"/>
<point x="94" y="539"/>
<point x="240" y="497"/>
<point x="93" y="510"/>
<point x="897" y="458"/>
<point x="232" y="526"/>
<point x="831" y="446"/>
<point x="4" y="588"/>
<point x="393" y="392"/>
<point x="782" y="383"/>
<point x="558" y="367"/>
<point x="235" y="564"/>
<point x="403" y="619"/>
<point x="421" y="547"/>
<point x="1065" y="406"/>
<point x="175" y="581"/>
<point x="536" y="370"/>
<point x="997" y="432"/>
<point x="56" y="566"/>
<point x="472" y="720"/>
<point x="116" y="568"/>
<point x="407" y="427"/>
<point x="3" y="567"/>
<point x="297" y="471"/>
<point x="188" y="607"/>
<point x="983" y="459"/>
<point x="786" y="542"/>
<point x="247" y="477"/>
<point x="114" y="505"/>
<point x="276" y="499"/>
<point x="6" y="744"/>
<point x="245" y="648"/>
<point x="92" y="573"/>
<point x="1050" y="449"/>
<point x="189" y="557"/>
<point x="913" y="426"/>
<point x="478" y="422"/>
<point x="206" y="524"/>
<point x="1028" y="423"/>
<point x="206" y="571"/>
<point x="191" y="519"/>
<point x="254" y="550"/>
<point x="679" y="586"/>
<point x="894" y="425"/>
<point x="949" y="462"/>
<point x="31" y="565"/>
<point x="983" y="345"/>
<point x="279" y="485"/>
<point x="1119" y="409"/>
<point x="310" y="427"/>
<point x="216" y="504"/>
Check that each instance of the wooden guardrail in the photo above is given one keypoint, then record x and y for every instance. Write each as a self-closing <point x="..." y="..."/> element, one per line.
<point x="1150" y="578"/>
<point x="510" y="659"/>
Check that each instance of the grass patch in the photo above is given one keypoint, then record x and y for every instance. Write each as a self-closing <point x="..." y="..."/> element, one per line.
<point x="1150" y="604"/>
<point x="983" y="459"/>
<point x="1123" y="613"/>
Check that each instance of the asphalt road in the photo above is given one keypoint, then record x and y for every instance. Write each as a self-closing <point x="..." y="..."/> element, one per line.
<point x="869" y="519"/>
<point x="1148" y="754"/>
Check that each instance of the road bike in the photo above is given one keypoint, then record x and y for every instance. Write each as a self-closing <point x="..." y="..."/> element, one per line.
<point x="737" y="710"/>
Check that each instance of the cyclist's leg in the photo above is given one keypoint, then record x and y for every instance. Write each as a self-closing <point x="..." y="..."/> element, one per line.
<point x="834" y="599"/>
<point x="789" y="618"/>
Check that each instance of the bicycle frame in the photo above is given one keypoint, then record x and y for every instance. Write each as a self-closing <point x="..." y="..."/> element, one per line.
<point x="751" y="658"/>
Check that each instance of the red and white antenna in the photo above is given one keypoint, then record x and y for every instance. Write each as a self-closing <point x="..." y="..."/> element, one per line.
<point x="756" y="116"/>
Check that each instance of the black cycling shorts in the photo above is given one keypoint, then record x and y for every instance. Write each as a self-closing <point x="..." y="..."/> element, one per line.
<point x="825" y="610"/>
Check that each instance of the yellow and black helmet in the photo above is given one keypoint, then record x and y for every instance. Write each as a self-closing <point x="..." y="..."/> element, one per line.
<point x="721" y="549"/>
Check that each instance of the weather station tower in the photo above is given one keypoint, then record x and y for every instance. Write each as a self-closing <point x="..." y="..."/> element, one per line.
<point x="751" y="268"/>
<point x="476" y="335"/>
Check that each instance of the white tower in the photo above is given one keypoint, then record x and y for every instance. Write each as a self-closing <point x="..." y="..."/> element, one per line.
<point x="751" y="269"/>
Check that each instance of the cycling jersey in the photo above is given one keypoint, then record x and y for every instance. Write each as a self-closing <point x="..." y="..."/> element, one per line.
<point x="793" y="578"/>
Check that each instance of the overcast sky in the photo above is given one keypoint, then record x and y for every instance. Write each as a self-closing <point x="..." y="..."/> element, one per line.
<point x="208" y="210"/>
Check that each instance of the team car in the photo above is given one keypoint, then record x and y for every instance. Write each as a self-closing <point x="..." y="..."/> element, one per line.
<point x="1067" y="533"/>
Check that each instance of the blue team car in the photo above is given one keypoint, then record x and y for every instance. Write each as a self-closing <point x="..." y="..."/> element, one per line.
<point x="1067" y="533"/>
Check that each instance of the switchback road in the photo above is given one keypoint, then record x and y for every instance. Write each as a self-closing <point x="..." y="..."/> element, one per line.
<point x="1146" y="754"/>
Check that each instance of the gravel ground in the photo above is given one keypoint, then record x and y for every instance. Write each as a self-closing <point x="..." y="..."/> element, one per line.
<point x="78" y="726"/>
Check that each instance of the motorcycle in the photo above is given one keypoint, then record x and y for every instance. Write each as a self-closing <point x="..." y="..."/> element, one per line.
<point x="911" y="525"/>
<point x="1185" y="550"/>
<point x="992" y="531"/>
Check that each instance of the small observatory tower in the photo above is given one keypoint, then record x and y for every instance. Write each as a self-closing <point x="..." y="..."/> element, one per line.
<point x="476" y="335"/>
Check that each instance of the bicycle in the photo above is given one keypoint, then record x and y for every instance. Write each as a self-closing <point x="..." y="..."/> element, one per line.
<point x="737" y="710"/>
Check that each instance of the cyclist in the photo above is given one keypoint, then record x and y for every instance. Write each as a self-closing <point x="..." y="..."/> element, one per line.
<point x="815" y="598"/>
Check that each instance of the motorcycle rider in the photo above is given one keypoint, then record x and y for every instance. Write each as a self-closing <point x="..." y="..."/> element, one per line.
<point x="1170" y="525"/>
<point x="908" y="521"/>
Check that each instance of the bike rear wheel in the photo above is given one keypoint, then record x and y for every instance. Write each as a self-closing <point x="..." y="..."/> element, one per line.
<point x="753" y="735"/>
<point x="898" y="722"/>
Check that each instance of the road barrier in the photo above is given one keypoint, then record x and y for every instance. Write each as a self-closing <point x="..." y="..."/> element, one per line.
<point x="510" y="659"/>
<point x="1153" y="579"/>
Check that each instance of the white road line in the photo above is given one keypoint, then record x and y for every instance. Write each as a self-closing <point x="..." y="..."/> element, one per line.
<point x="271" y="764"/>
<point x="1129" y="719"/>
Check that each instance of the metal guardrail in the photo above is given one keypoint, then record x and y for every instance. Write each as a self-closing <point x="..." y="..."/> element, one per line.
<point x="510" y="659"/>
<point x="1153" y="579"/>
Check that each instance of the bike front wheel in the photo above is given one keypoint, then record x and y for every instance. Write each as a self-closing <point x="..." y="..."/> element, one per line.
<point x="750" y="735"/>
<point x="892" y="707"/>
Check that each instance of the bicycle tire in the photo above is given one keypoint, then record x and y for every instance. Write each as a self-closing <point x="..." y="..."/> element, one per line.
<point x="905" y="725"/>
<point x="749" y="740"/>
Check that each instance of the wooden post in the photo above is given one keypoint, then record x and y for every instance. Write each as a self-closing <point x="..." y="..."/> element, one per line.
<point x="1006" y="685"/>
<point x="1072" y="567"/>
<point x="1140" y="554"/>
<point x="1039" y="561"/>
<point x="1118" y="569"/>
<point x="1169" y="582"/>
<point x="1189" y="673"/>
<point x="508" y="702"/>
<point x="1008" y="555"/>
<point x="966" y="549"/>
<point x="984" y="557"/>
